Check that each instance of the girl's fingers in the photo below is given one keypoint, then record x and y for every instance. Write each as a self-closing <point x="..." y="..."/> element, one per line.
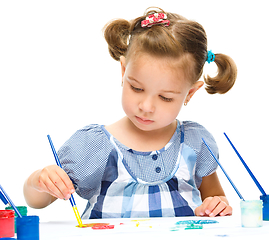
<point x="45" y="188"/>
<point x="66" y="181"/>
<point x="227" y="211"/>
<point x="56" y="182"/>
<point x="218" y="209"/>
<point x="213" y="206"/>
<point x="201" y="210"/>
<point x="53" y="189"/>
<point x="215" y="201"/>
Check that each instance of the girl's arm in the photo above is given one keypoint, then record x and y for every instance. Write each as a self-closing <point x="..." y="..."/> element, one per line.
<point x="213" y="197"/>
<point x="46" y="185"/>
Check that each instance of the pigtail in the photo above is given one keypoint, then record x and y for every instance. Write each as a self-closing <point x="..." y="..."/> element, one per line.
<point x="225" y="78"/>
<point x="117" y="34"/>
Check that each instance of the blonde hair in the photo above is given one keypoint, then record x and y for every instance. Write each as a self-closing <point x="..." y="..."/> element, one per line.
<point x="182" y="38"/>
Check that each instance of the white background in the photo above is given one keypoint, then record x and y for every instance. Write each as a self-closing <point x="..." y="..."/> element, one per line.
<point x="56" y="76"/>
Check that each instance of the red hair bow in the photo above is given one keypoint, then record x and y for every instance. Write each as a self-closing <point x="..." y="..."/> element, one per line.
<point x="156" y="18"/>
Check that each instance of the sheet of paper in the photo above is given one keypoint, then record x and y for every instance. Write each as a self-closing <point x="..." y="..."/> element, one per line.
<point x="228" y="228"/>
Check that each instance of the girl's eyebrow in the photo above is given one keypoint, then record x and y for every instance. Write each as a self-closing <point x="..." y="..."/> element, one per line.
<point x="172" y="91"/>
<point x="175" y="92"/>
<point x="132" y="79"/>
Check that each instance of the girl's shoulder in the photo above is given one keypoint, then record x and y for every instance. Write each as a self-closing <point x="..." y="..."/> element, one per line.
<point x="88" y="140"/>
<point x="92" y="132"/>
<point x="193" y="134"/>
<point x="193" y="126"/>
<point x="91" y="128"/>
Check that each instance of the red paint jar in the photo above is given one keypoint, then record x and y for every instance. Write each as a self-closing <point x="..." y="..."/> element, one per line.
<point x="6" y="223"/>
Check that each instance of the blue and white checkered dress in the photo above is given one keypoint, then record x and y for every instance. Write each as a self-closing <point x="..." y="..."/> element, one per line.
<point x="119" y="182"/>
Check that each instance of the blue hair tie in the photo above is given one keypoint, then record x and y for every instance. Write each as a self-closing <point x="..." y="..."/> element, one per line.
<point x="210" y="57"/>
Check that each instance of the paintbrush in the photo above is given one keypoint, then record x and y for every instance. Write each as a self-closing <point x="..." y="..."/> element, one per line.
<point x="246" y="166"/>
<point x="7" y="199"/>
<point x="4" y="200"/>
<point x="230" y="180"/>
<point x="71" y="199"/>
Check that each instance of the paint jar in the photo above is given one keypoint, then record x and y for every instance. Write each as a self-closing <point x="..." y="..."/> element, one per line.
<point x="28" y="228"/>
<point x="23" y="212"/>
<point x="251" y="213"/>
<point x="265" y="211"/>
<point x="6" y="223"/>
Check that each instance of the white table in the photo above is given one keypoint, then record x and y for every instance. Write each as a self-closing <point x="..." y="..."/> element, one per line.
<point x="227" y="228"/>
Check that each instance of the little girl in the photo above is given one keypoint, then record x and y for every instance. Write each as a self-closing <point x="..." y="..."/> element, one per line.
<point x="147" y="164"/>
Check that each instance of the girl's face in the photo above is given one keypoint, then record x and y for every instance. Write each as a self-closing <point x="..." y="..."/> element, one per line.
<point x="153" y="92"/>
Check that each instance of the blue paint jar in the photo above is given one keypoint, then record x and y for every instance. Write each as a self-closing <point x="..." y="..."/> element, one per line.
<point x="28" y="228"/>
<point x="265" y="199"/>
<point x="23" y="212"/>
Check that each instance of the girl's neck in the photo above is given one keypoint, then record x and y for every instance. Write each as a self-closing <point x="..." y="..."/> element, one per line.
<point x="132" y="137"/>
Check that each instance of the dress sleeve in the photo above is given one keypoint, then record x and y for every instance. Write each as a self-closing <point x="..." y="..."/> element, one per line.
<point x="205" y="163"/>
<point x="84" y="157"/>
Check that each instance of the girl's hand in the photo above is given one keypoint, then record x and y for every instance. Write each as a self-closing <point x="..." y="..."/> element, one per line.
<point x="213" y="206"/>
<point x="53" y="180"/>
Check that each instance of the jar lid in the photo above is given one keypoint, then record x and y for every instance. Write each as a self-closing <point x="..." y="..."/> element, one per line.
<point x="22" y="210"/>
<point x="6" y="213"/>
<point x="264" y="198"/>
<point x="28" y="220"/>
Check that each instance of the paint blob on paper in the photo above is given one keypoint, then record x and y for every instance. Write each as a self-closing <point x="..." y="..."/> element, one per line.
<point x="191" y="224"/>
<point x="103" y="227"/>
<point x="186" y="227"/>
<point x="93" y="225"/>
<point x="196" y="222"/>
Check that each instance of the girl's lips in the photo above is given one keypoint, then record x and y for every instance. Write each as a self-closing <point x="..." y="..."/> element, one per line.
<point x="144" y="120"/>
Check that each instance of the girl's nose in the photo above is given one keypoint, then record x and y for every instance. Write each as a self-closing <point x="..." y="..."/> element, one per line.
<point x="147" y="105"/>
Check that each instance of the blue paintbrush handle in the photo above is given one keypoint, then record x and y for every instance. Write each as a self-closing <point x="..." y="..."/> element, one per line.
<point x="2" y="197"/>
<point x="9" y="200"/>
<point x="54" y="152"/>
<point x="230" y="180"/>
<point x="246" y="166"/>
<point x="71" y="199"/>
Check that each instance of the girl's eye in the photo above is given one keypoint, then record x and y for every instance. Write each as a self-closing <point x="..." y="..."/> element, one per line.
<point x="136" y="89"/>
<point x="166" y="99"/>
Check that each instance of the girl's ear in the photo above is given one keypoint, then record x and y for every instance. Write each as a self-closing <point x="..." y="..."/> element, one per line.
<point x="195" y="87"/>
<point x="123" y="65"/>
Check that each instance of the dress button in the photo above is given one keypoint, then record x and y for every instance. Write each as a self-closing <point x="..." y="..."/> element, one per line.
<point x="154" y="157"/>
<point x="158" y="169"/>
